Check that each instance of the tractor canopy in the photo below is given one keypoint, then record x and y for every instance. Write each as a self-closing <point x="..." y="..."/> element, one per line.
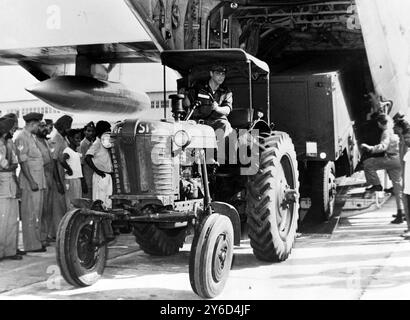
<point x="246" y="76"/>
<point x="186" y="61"/>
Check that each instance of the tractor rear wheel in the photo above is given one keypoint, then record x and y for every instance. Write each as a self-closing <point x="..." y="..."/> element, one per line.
<point x="272" y="199"/>
<point x="81" y="261"/>
<point x="211" y="256"/>
<point x="159" y="242"/>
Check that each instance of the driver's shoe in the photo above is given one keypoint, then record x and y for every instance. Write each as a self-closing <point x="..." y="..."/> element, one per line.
<point x="377" y="187"/>
<point x="399" y="218"/>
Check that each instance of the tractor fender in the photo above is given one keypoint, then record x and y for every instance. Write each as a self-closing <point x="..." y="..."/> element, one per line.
<point x="82" y="203"/>
<point x="260" y="125"/>
<point x="229" y="211"/>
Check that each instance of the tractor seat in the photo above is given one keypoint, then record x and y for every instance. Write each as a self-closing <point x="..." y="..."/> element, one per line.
<point x="240" y="117"/>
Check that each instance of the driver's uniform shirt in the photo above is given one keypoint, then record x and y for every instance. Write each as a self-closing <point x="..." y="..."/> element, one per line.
<point x="219" y="122"/>
<point x="222" y="95"/>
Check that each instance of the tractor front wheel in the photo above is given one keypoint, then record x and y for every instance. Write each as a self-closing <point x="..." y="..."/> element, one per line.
<point x="211" y="256"/>
<point x="80" y="256"/>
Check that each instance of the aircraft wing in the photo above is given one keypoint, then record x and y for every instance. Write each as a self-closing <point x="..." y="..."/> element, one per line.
<point x="44" y="36"/>
<point x="71" y="47"/>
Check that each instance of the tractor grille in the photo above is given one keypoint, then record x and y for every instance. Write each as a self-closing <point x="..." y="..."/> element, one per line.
<point x="162" y="168"/>
<point x="121" y="181"/>
<point x="136" y="170"/>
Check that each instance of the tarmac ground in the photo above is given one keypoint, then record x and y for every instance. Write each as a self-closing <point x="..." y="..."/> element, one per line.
<point x="364" y="257"/>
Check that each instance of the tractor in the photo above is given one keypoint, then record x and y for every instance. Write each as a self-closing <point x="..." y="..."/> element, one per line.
<point x="166" y="185"/>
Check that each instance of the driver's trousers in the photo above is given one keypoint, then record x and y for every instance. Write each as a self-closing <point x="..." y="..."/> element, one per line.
<point x="390" y="163"/>
<point x="223" y="131"/>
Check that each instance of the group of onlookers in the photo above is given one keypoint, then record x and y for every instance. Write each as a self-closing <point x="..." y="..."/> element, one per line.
<point x="45" y="167"/>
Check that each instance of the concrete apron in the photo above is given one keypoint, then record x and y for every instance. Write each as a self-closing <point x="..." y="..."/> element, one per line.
<point x="364" y="258"/>
<point x="40" y="267"/>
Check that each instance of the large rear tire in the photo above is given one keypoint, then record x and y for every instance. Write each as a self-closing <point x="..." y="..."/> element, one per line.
<point x="323" y="190"/>
<point x="159" y="242"/>
<point x="81" y="261"/>
<point x="211" y="256"/>
<point x="272" y="199"/>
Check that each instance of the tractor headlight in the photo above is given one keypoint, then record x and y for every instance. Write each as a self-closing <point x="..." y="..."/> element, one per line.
<point x="182" y="138"/>
<point x="106" y="140"/>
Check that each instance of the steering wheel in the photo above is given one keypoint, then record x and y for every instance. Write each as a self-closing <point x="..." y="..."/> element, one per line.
<point x="203" y="104"/>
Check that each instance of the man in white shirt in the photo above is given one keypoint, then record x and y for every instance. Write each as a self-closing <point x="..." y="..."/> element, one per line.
<point x="74" y="174"/>
<point x="99" y="159"/>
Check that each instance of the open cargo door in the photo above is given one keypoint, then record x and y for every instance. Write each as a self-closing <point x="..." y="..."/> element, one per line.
<point x="386" y="32"/>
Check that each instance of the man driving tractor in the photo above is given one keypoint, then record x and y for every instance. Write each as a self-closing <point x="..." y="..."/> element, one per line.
<point x="215" y="103"/>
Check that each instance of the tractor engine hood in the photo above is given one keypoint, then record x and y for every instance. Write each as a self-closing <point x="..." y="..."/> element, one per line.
<point x="144" y="158"/>
<point x="200" y="135"/>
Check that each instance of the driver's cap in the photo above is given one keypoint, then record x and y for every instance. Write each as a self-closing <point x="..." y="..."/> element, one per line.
<point x="218" y="67"/>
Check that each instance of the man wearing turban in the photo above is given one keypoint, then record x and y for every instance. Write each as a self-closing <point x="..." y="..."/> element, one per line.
<point x="9" y="209"/>
<point x="89" y="137"/>
<point x="12" y="146"/>
<point x="57" y="145"/>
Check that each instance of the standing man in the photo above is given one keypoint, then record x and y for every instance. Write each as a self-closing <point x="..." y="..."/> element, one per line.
<point x="9" y="208"/>
<point x="50" y="126"/>
<point x="89" y="137"/>
<point x="72" y="161"/>
<point x="390" y="161"/>
<point x="48" y="231"/>
<point x="57" y="145"/>
<point x="98" y="158"/>
<point x="12" y="146"/>
<point x="32" y="183"/>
